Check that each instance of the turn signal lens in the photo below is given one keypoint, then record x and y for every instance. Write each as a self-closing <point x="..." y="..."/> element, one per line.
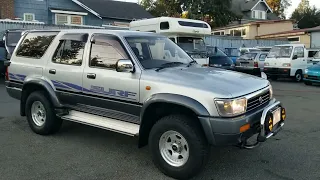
<point x="283" y="114"/>
<point x="244" y="128"/>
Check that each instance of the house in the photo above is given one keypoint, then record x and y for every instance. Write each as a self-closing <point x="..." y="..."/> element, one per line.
<point x="310" y="37"/>
<point x="75" y="12"/>
<point x="257" y="19"/>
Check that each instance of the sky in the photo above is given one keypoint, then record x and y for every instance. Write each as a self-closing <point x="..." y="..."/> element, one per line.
<point x="289" y="11"/>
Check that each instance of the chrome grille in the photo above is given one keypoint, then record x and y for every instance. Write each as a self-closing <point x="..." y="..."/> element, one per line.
<point x="258" y="100"/>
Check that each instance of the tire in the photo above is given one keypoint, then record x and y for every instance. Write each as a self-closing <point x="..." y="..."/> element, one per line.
<point x="189" y="132"/>
<point x="45" y="121"/>
<point x="298" y="76"/>
<point x="307" y="83"/>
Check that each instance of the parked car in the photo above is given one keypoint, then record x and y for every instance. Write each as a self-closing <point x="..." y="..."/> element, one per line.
<point x="248" y="50"/>
<point x="8" y="44"/>
<point x="287" y="60"/>
<point x="264" y="48"/>
<point x="130" y="83"/>
<point x="251" y="63"/>
<point x="219" y="59"/>
<point x="312" y="73"/>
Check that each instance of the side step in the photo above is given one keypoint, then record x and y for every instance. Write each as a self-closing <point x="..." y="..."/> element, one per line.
<point x="103" y="123"/>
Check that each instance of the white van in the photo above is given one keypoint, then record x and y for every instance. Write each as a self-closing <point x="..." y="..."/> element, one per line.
<point x="287" y="60"/>
<point x="187" y="33"/>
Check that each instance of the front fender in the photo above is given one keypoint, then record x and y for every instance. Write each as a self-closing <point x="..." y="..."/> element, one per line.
<point x="187" y="102"/>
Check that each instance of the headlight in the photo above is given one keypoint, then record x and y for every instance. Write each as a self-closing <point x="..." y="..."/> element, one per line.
<point x="286" y="64"/>
<point x="271" y="91"/>
<point x="306" y="71"/>
<point x="231" y="107"/>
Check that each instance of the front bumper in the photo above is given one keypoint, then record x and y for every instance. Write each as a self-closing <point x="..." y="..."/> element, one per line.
<point x="279" y="72"/>
<point x="312" y="78"/>
<point x="225" y="132"/>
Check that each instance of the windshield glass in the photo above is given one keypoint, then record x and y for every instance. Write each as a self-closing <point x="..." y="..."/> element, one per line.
<point x="280" y="52"/>
<point x="317" y="55"/>
<point x="216" y="56"/>
<point x="248" y="56"/>
<point x="153" y="51"/>
<point x="192" y="44"/>
<point x="13" y="38"/>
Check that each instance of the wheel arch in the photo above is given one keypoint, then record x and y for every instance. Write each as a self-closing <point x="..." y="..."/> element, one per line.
<point x="33" y="84"/>
<point x="160" y="105"/>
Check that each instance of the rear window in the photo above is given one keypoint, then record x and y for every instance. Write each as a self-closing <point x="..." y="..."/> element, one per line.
<point x="193" y="24"/>
<point x="36" y="44"/>
<point x="249" y="56"/>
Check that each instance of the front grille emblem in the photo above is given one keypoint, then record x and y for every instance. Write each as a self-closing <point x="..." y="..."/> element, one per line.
<point x="260" y="100"/>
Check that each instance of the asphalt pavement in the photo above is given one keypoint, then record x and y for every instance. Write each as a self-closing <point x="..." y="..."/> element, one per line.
<point x="82" y="152"/>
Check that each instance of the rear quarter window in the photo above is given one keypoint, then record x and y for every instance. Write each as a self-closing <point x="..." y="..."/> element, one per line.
<point x="34" y="45"/>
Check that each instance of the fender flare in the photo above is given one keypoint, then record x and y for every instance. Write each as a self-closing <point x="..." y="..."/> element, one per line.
<point x="45" y="85"/>
<point x="176" y="99"/>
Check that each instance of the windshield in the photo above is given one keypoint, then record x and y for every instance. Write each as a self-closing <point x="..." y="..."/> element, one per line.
<point x="216" y="56"/>
<point x="248" y="56"/>
<point x="153" y="51"/>
<point x="280" y="52"/>
<point x="317" y="55"/>
<point x="13" y="38"/>
<point x="192" y="44"/>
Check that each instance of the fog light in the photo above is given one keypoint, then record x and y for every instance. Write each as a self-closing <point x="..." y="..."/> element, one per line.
<point x="283" y="114"/>
<point x="270" y="124"/>
<point x="244" y="128"/>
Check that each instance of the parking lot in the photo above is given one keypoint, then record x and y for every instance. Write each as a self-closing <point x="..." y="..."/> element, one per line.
<point x="82" y="152"/>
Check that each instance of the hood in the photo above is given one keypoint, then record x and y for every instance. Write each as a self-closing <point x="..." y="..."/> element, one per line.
<point x="315" y="67"/>
<point x="209" y="79"/>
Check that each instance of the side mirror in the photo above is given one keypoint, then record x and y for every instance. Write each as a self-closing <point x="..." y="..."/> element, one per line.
<point x="295" y="57"/>
<point x="2" y="44"/>
<point x="124" y="65"/>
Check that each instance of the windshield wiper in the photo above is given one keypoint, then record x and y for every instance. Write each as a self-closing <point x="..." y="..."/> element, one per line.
<point x="167" y="65"/>
<point x="191" y="62"/>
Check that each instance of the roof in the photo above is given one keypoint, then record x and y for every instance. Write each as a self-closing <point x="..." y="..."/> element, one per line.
<point x="252" y="22"/>
<point x="102" y="31"/>
<point x="292" y="32"/>
<point x="114" y="9"/>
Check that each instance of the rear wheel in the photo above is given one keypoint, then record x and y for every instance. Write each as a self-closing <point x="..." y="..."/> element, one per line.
<point x="178" y="146"/>
<point x="40" y="114"/>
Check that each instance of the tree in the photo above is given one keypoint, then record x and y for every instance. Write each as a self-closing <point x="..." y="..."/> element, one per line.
<point x="278" y="7"/>
<point x="306" y="17"/>
<point x="303" y="6"/>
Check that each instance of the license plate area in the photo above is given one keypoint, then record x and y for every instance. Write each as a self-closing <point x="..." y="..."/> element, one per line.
<point x="276" y="116"/>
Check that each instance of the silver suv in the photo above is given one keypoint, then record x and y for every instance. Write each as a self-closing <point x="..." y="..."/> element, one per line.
<point x="140" y="84"/>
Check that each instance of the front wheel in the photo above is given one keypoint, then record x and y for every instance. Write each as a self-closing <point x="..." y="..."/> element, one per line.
<point x="298" y="76"/>
<point x="178" y="146"/>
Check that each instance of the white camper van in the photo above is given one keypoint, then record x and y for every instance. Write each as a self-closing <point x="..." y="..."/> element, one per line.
<point x="288" y="60"/>
<point x="187" y="33"/>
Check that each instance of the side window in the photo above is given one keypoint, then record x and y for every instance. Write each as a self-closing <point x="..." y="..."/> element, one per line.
<point x="164" y="25"/>
<point x="106" y="51"/>
<point x="262" y="57"/>
<point x="36" y="44"/>
<point x="299" y="51"/>
<point x="173" y="40"/>
<point x="69" y="52"/>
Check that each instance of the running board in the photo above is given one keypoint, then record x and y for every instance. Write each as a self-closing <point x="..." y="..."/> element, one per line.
<point x="103" y="123"/>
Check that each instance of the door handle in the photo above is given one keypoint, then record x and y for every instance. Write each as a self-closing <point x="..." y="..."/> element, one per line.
<point x="91" y="76"/>
<point x="52" y="71"/>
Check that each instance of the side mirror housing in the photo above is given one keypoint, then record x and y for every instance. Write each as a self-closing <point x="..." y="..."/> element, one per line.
<point x="2" y="44"/>
<point x="295" y="57"/>
<point x="125" y="65"/>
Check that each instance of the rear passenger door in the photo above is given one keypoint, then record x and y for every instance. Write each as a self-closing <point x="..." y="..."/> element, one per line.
<point x="65" y="67"/>
<point x="114" y="94"/>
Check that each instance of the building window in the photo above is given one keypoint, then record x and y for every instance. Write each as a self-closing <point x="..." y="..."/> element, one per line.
<point x="219" y="33"/>
<point x="62" y="19"/>
<point x="259" y="14"/>
<point x="238" y="32"/>
<point x="28" y="17"/>
<point x="294" y="39"/>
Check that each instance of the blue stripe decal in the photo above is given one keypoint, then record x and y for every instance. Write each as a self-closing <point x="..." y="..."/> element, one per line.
<point x="93" y="89"/>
